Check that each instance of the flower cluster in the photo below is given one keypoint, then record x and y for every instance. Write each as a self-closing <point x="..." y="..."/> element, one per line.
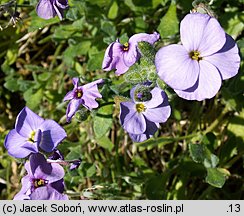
<point x="194" y="70"/>
<point x="31" y="135"/>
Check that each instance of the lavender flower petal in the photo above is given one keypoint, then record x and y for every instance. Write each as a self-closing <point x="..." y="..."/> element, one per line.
<point x="73" y="106"/>
<point x="90" y="93"/>
<point x="25" y="191"/>
<point x="52" y="135"/>
<point x="205" y="88"/>
<point x="47" y="193"/>
<point x="109" y="61"/>
<point x="131" y="56"/>
<point x="69" y="96"/>
<point x="159" y="115"/>
<point x="113" y="59"/>
<point x="213" y="38"/>
<point x="159" y="97"/>
<point x="27" y="121"/>
<point x="176" y="68"/>
<point x="14" y="144"/>
<point x="133" y="122"/>
<point x="92" y="84"/>
<point x="150" y="131"/>
<point x="45" y="9"/>
<point x="82" y="95"/>
<point x="226" y="60"/>
<point x="75" y="82"/>
<point x="150" y="38"/>
<point x="58" y="185"/>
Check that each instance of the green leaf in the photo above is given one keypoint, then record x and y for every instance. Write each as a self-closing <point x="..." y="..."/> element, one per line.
<point x="235" y="25"/>
<point x="44" y="76"/>
<point x="210" y="140"/>
<point x="147" y="51"/>
<point x="141" y="25"/>
<point x="75" y="153"/>
<point x="76" y="10"/>
<point x="177" y="114"/>
<point x="113" y="11"/>
<point x="211" y="162"/>
<point x="105" y="142"/>
<point x="155" y="3"/>
<point x="89" y="169"/>
<point x="155" y="187"/>
<point x="197" y="152"/>
<point x="82" y="114"/>
<point x="100" y="3"/>
<point x="236" y="125"/>
<point x="201" y="154"/>
<point x="240" y="44"/>
<point x="136" y="74"/>
<point x="103" y="121"/>
<point x="169" y="24"/>
<point x="72" y="51"/>
<point x="38" y="23"/>
<point x="65" y="32"/>
<point x="11" y="56"/>
<point x="108" y="27"/>
<point x="11" y="85"/>
<point x="95" y="61"/>
<point x="215" y="177"/>
<point x="24" y="85"/>
<point x="33" y="98"/>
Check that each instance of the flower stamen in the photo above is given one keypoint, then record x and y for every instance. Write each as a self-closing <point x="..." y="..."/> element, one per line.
<point x="40" y="183"/>
<point x="31" y="137"/>
<point x="126" y="46"/>
<point x="78" y="93"/>
<point x="140" y="107"/>
<point x="195" y="55"/>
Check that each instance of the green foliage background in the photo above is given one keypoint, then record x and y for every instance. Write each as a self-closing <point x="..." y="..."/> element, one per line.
<point x="197" y="154"/>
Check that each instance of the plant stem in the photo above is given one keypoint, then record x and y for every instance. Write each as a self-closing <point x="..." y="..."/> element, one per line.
<point x="216" y="122"/>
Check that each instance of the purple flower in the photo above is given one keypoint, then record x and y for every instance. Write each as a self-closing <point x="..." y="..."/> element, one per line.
<point x="31" y="132"/>
<point x="75" y="164"/>
<point x="44" y="181"/>
<point x="121" y="56"/>
<point x="141" y="118"/>
<point x="207" y="56"/>
<point x="85" y="95"/>
<point x="48" y="9"/>
<point x="57" y="157"/>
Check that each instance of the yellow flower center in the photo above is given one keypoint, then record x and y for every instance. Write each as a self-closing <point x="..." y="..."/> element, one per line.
<point x="195" y="55"/>
<point x="40" y="183"/>
<point x="32" y="136"/>
<point x="78" y="93"/>
<point x="140" y="107"/>
<point x="126" y="46"/>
